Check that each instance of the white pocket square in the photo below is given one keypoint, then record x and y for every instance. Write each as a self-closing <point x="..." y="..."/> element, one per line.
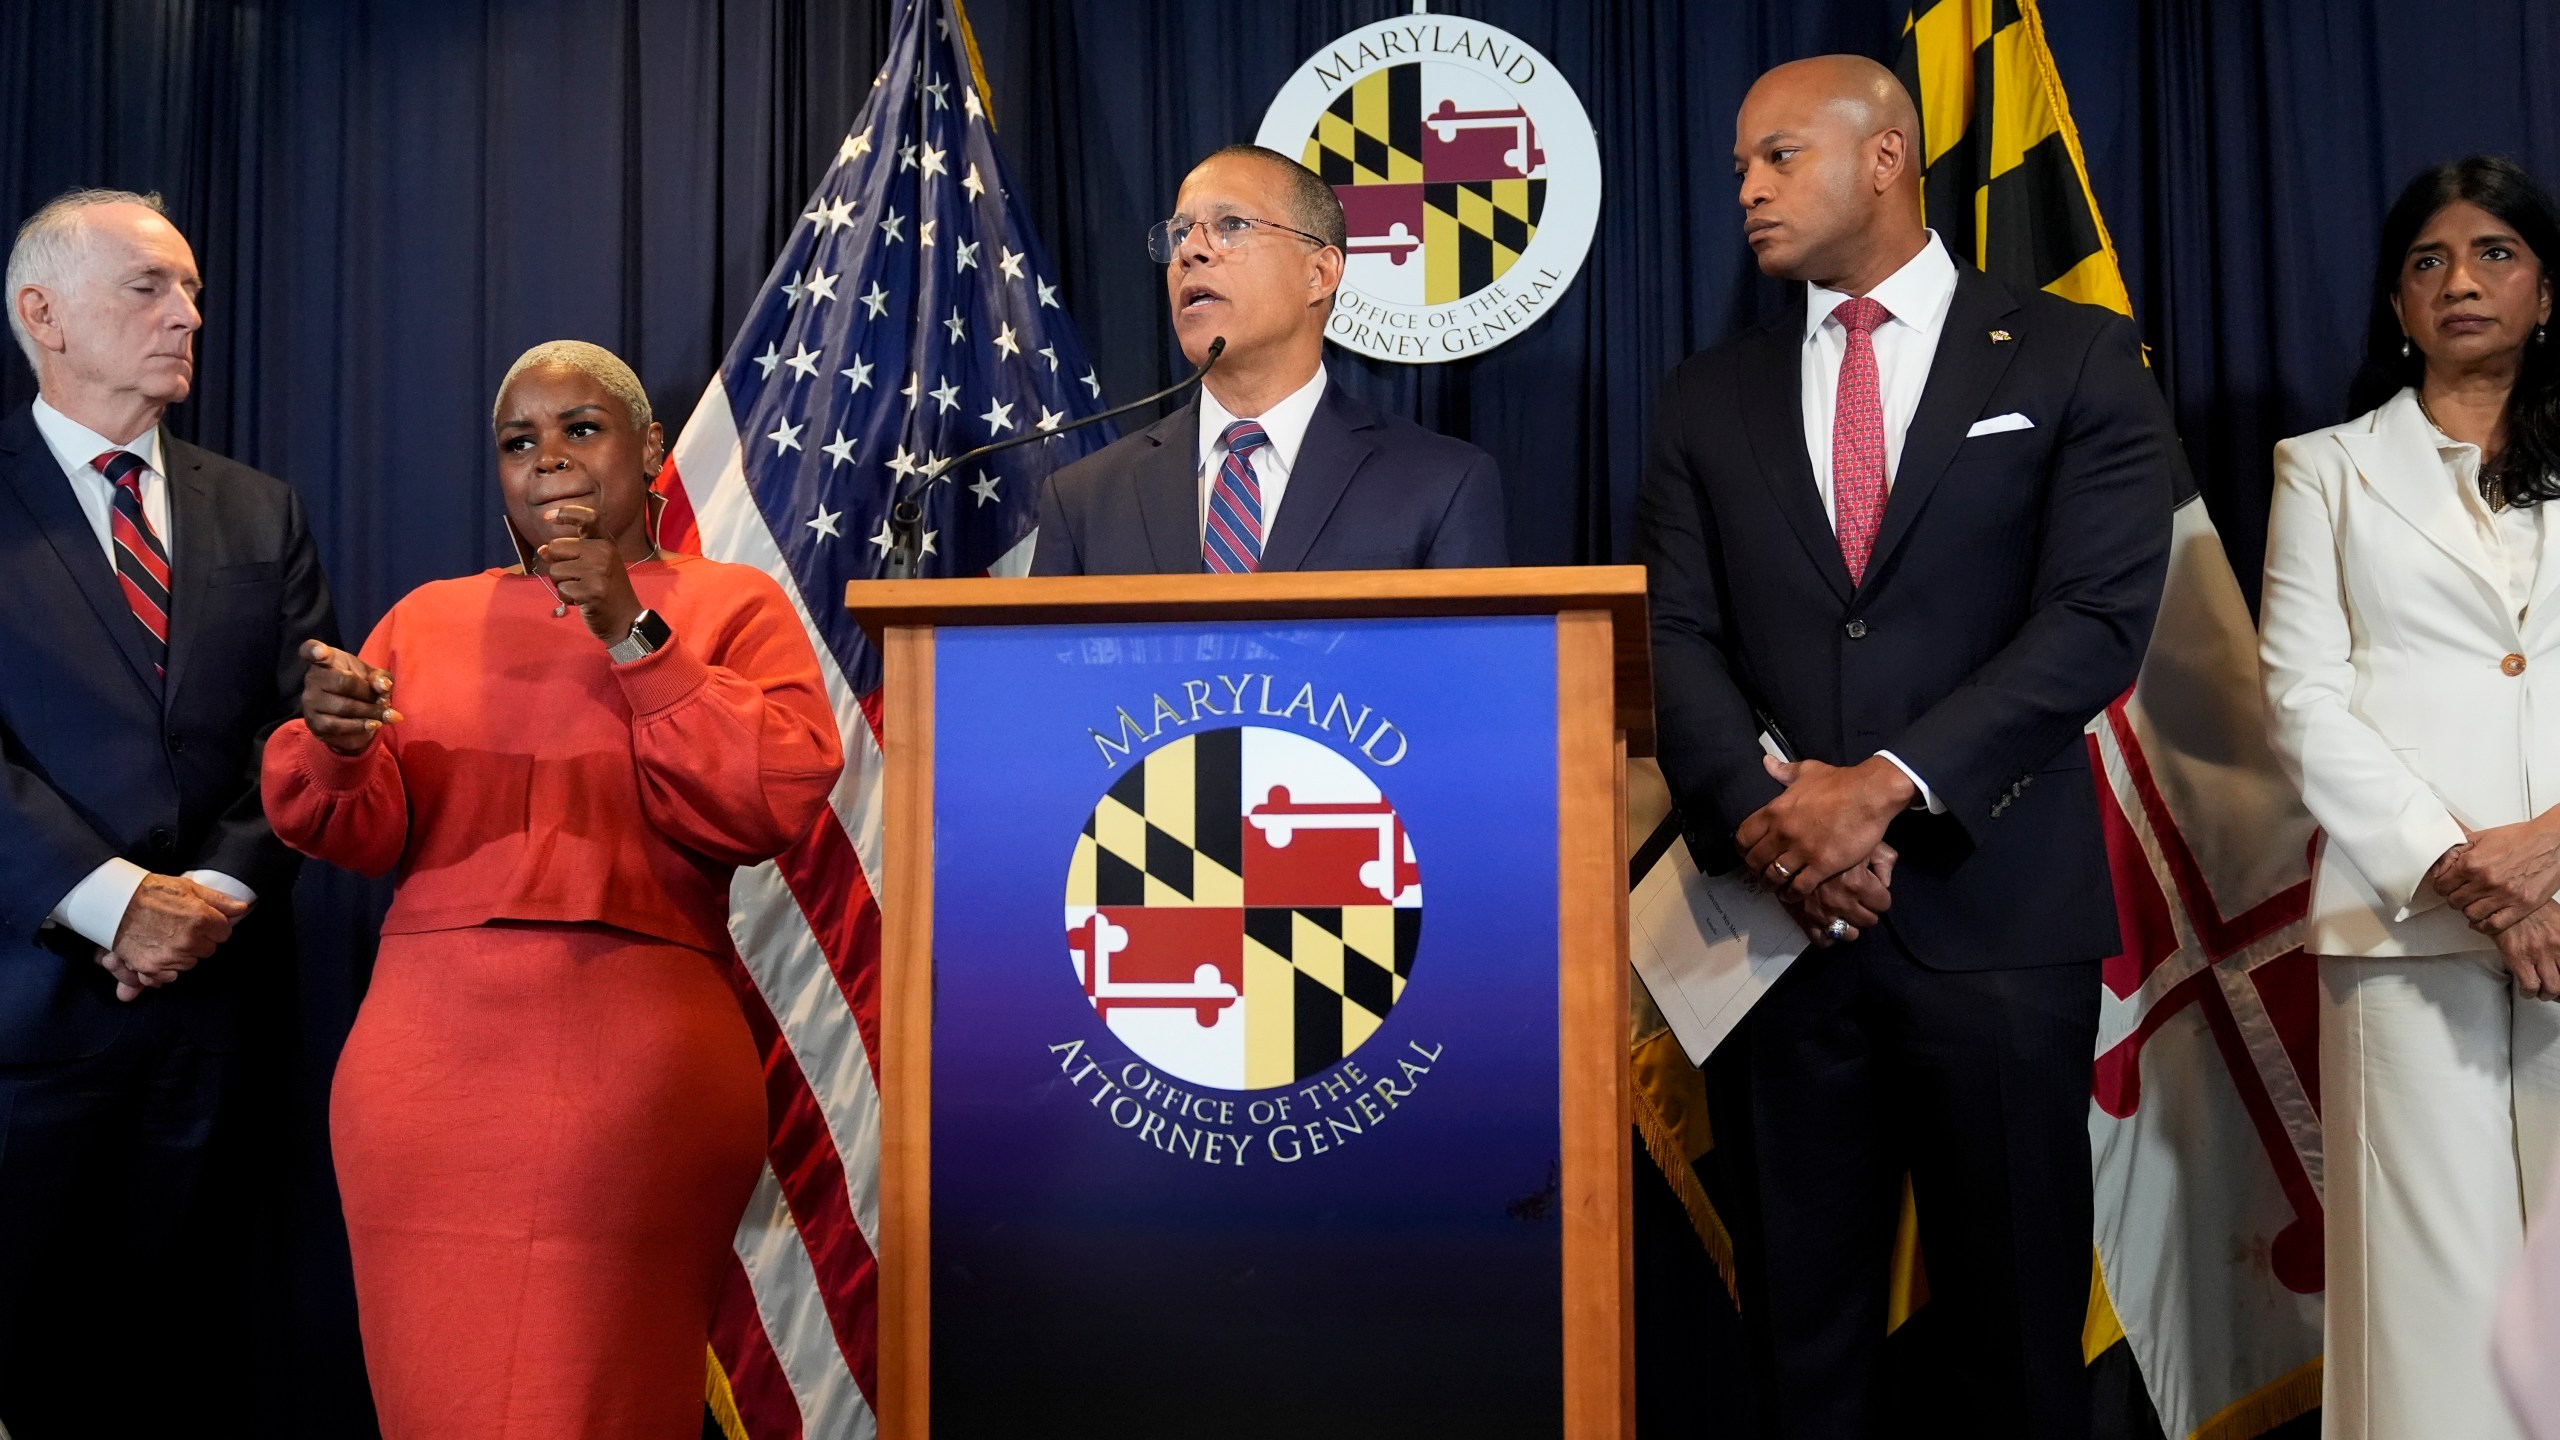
<point x="2000" y="425"/>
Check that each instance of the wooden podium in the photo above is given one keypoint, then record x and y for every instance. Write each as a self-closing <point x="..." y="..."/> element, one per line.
<point x="1234" y="1143"/>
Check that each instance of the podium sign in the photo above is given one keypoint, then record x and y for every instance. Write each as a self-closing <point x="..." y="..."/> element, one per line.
<point x="1243" y="1095"/>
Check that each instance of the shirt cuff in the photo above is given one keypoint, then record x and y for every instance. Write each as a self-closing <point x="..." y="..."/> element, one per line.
<point x="94" y="910"/>
<point x="216" y="880"/>
<point x="1928" y="800"/>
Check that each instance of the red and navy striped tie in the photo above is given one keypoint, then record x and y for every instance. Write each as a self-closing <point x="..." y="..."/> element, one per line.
<point x="142" y="562"/>
<point x="1231" y="543"/>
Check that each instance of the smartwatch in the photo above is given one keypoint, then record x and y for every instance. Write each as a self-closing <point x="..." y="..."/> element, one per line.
<point x="649" y="635"/>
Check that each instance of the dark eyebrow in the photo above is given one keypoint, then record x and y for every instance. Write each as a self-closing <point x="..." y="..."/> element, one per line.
<point x="590" y="406"/>
<point x="1766" y="142"/>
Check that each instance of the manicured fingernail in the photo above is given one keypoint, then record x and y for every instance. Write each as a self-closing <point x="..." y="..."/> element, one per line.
<point x="393" y="716"/>
<point x="372" y="725"/>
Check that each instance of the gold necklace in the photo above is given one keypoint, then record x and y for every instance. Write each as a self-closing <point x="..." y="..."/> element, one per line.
<point x="2430" y="412"/>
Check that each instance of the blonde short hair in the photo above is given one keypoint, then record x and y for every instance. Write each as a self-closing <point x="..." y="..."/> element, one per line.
<point x="54" y="243"/>
<point x="596" y="362"/>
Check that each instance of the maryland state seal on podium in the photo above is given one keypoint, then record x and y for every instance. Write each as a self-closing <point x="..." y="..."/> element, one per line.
<point x="1243" y="908"/>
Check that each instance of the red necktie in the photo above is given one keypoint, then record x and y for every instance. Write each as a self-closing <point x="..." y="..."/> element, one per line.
<point x="142" y="563"/>
<point x="1857" y="438"/>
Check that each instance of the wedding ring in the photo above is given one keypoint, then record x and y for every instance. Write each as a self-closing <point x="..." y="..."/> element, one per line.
<point x="1783" y="872"/>
<point x="1839" y="929"/>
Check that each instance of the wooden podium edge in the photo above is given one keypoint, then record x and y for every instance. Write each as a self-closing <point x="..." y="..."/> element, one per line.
<point x="879" y="606"/>
<point x="905" y="1401"/>
<point x="1594" y="1098"/>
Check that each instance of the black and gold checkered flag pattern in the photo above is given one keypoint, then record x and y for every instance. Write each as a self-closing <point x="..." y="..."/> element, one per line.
<point x="2004" y="182"/>
<point x="1168" y="832"/>
<point x="1473" y="231"/>
<point x="1321" y="981"/>
<point x="1372" y="133"/>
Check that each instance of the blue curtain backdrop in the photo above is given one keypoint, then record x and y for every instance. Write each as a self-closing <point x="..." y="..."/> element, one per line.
<point x="391" y="200"/>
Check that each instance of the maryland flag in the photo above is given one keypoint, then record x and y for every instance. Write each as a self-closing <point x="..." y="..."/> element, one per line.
<point x="2204" y="1109"/>
<point x="2204" y="1106"/>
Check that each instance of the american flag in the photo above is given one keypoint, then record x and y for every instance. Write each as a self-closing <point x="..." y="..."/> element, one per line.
<point x="911" y="316"/>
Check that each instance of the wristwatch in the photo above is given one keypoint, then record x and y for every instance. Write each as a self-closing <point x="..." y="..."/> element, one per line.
<point x="648" y="636"/>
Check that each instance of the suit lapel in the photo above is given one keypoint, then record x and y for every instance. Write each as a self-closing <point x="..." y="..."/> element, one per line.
<point x="1331" y="454"/>
<point x="1773" y="423"/>
<point x="192" y="516"/>
<point x="1168" y="483"/>
<point x="2397" y="461"/>
<point x="45" y="491"/>
<point x="1962" y="375"/>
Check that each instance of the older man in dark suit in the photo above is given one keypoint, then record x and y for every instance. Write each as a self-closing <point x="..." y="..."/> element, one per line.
<point x="1271" y="467"/>
<point x="1914" y="532"/>
<point x="152" y="596"/>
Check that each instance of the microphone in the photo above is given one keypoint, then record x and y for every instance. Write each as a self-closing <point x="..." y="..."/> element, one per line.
<point x="906" y="517"/>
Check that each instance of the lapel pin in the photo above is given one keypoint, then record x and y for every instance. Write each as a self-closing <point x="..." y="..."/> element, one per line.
<point x="1999" y="337"/>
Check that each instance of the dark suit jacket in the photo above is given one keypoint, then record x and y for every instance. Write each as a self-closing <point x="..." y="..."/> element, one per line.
<point x="2008" y="600"/>
<point x="1367" y="492"/>
<point x="94" y="765"/>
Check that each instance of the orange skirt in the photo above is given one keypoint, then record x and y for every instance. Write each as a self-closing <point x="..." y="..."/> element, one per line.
<point x="545" y="1135"/>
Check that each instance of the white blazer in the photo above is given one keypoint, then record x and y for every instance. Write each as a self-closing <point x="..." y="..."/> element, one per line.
<point x="2401" y="692"/>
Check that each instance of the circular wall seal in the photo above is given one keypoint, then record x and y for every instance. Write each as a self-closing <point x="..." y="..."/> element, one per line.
<point x="1243" y="907"/>
<point x="1468" y="174"/>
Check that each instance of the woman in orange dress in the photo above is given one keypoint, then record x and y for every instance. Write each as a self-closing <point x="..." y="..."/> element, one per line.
<point x="550" y="1113"/>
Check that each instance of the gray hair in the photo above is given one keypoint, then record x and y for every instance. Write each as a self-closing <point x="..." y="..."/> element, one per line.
<point x="594" y="361"/>
<point x="1313" y="206"/>
<point x="54" y="242"/>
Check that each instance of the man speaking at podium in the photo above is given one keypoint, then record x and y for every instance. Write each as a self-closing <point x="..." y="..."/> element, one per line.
<point x="1913" y="531"/>
<point x="1270" y="467"/>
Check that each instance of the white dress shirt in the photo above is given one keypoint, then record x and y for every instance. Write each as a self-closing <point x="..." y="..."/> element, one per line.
<point x="95" y="907"/>
<point x="1286" y="425"/>
<point x="1917" y="296"/>
<point x="74" y="445"/>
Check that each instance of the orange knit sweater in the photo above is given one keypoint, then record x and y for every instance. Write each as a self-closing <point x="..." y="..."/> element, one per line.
<point x="531" y="778"/>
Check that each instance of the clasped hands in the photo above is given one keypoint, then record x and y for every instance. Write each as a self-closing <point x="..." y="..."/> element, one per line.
<point x="2502" y="880"/>
<point x="1820" y="845"/>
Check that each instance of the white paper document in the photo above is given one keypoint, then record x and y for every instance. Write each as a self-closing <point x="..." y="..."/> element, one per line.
<point x="1707" y="947"/>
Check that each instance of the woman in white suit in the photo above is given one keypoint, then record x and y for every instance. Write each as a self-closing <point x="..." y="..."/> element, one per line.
<point x="2411" y="658"/>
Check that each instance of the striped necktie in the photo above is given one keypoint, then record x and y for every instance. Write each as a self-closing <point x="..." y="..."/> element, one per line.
<point x="142" y="562"/>
<point x="1231" y="543"/>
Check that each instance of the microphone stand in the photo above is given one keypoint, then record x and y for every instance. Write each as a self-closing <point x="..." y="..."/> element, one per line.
<point x="906" y="517"/>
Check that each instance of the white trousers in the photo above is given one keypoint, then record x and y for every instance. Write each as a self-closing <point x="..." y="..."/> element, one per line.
<point x="2440" y="1114"/>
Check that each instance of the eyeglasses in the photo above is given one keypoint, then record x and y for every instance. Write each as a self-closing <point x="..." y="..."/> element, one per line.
<point x="1165" y="237"/>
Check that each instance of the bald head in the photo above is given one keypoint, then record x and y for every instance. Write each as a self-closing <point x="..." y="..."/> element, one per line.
<point x="1866" y="94"/>
<point x="1827" y="150"/>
